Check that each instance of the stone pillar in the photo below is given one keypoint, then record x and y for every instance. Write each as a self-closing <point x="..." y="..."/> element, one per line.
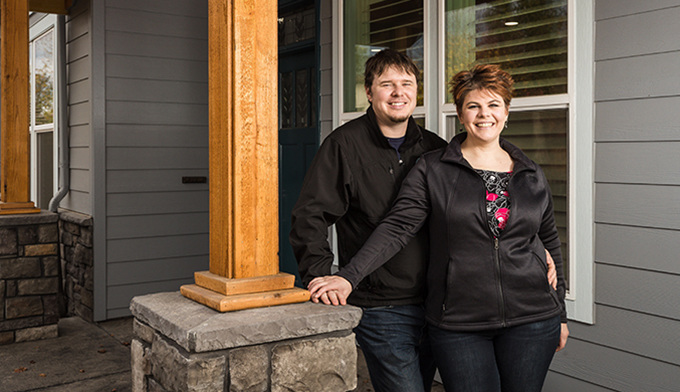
<point x="243" y="83"/>
<point x="77" y="263"/>
<point x="180" y="345"/>
<point x="29" y="277"/>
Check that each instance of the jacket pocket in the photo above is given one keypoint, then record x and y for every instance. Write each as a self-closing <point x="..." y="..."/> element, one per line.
<point x="526" y="283"/>
<point x="543" y="262"/>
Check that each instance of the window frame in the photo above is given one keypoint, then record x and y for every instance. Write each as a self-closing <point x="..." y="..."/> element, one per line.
<point x="579" y="101"/>
<point x="47" y="23"/>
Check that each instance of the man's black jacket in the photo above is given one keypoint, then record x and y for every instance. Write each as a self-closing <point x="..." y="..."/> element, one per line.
<point x="352" y="183"/>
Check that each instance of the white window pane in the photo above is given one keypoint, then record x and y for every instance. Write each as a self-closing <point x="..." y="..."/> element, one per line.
<point x="44" y="79"/>
<point x="371" y="26"/>
<point x="45" y="146"/>
<point x="527" y="38"/>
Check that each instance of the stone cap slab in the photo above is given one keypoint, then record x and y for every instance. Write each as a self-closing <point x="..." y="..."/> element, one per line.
<point x="198" y="328"/>
<point x="28" y="219"/>
<point x="75" y="217"/>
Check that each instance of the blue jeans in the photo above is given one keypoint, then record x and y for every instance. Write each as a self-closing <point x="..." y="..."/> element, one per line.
<point x="395" y="345"/>
<point x="514" y="359"/>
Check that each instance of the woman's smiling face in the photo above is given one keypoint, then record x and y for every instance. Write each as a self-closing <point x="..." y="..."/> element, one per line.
<point x="483" y="115"/>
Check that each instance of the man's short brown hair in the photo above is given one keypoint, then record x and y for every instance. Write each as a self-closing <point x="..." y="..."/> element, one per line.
<point x="383" y="60"/>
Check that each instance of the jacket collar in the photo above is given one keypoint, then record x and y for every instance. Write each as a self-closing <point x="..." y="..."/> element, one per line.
<point x="453" y="154"/>
<point x="413" y="132"/>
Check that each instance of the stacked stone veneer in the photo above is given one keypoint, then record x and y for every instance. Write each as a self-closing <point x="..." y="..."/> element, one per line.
<point x="29" y="277"/>
<point x="75" y="233"/>
<point x="181" y="345"/>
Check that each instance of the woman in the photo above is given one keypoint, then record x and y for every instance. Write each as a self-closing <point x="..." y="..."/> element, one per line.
<point x="494" y="321"/>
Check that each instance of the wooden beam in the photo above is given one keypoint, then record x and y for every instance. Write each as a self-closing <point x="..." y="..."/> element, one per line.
<point x="223" y="303"/>
<point x="243" y="107"/>
<point x="243" y="138"/>
<point x="14" y="109"/>
<point x="49" y="6"/>
<point x="255" y="128"/>
<point x="255" y="284"/>
<point x="221" y="102"/>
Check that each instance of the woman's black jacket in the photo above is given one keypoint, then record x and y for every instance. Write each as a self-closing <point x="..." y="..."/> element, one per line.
<point x="474" y="281"/>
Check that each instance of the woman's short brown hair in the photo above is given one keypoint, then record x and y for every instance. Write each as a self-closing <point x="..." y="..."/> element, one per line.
<point x="481" y="77"/>
<point x="381" y="61"/>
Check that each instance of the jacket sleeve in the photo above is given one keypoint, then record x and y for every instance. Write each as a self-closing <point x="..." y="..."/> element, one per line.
<point x="551" y="241"/>
<point x="407" y="216"/>
<point x="323" y="200"/>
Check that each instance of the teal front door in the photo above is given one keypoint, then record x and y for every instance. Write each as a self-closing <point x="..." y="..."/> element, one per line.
<point x="298" y="139"/>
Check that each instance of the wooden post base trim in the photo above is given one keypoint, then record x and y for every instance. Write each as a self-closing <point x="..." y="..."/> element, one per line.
<point x="257" y="284"/>
<point x="223" y="303"/>
<point x="7" y="208"/>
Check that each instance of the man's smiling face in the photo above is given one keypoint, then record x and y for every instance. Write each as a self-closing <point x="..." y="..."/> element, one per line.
<point x="393" y="96"/>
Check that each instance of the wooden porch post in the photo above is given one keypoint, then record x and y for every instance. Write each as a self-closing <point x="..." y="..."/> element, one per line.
<point x="243" y="69"/>
<point x="14" y="108"/>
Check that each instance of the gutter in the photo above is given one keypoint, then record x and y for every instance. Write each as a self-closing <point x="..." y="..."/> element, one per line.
<point x="62" y="130"/>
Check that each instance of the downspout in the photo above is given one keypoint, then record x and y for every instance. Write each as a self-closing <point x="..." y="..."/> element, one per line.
<point x="62" y="130"/>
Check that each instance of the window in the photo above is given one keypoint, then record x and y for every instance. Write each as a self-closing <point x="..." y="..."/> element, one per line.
<point x="527" y="38"/>
<point x="371" y="26"/>
<point x="43" y="146"/>
<point x="547" y="45"/>
<point x="535" y="41"/>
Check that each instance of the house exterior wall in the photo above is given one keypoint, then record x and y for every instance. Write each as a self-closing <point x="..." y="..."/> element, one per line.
<point x="156" y="105"/>
<point x="79" y="93"/>
<point x="138" y="96"/>
<point x="326" y="69"/>
<point x="633" y="344"/>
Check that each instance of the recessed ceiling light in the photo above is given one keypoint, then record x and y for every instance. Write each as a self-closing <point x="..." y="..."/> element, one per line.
<point x="511" y="23"/>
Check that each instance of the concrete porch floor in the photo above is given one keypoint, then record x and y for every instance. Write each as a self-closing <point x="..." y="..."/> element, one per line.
<point x="89" y="358"/>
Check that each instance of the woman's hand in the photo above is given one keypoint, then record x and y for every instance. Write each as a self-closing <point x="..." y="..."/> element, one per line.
<point x="552" y="271"/>
<point x="564" y="334"/>
<point x="330" y="290"/>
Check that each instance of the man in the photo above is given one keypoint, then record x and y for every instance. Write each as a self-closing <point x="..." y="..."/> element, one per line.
<point x="352" y="183"/>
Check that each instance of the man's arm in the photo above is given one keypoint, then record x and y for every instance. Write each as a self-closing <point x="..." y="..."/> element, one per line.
<point x="405" y="219"/>
<point x="323" y="200"/>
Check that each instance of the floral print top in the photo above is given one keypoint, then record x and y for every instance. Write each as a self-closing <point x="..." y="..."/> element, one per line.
<point x="497" y="199"/>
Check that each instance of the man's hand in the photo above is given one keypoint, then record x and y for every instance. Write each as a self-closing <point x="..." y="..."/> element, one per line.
<point x="330" y="290"/>
<point x="552" y="271"/>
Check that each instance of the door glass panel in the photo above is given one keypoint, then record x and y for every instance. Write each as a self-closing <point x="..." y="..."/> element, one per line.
<point x="297" y="26"/>
<point x="312" y="104"/>
<point x="302" y="98"/>
<point x="286" y="82"/>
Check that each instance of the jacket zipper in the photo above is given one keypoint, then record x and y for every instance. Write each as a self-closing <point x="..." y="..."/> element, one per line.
<point x="497" y="256"/>
<point x="500" y="281"/>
